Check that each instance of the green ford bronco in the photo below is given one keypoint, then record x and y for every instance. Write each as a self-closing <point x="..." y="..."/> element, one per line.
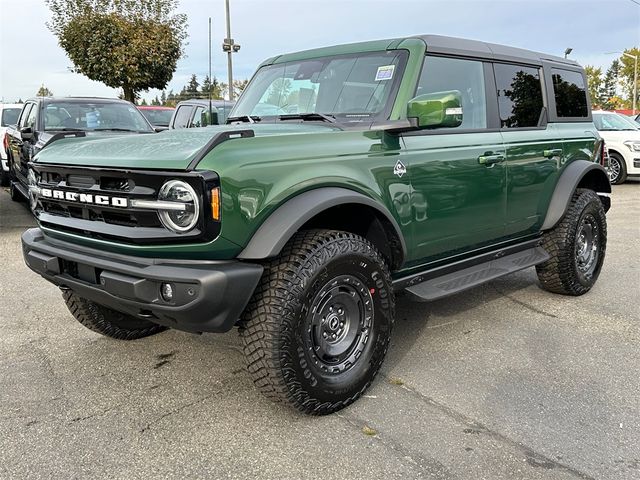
<point x="343" y="175"/>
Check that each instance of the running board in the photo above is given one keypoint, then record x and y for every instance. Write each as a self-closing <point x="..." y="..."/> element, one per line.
<point x="469" y="277"/>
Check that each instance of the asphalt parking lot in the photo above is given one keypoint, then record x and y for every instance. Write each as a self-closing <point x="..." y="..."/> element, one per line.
<point x="504" y="381"/>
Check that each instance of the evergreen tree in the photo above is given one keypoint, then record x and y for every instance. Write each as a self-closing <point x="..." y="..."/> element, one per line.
<point x="610" y="85"/>
<point x="191" y="89"/>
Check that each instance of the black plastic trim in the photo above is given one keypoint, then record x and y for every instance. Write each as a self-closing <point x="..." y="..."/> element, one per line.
<point x="209" y="296"/>
<point x="566" y="185"/>
<point x="287" y="219"/>
<point x="217" y="140"/>
<point x="446" y="268"/>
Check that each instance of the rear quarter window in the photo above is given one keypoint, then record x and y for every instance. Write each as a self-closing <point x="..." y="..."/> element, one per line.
<point x="570" y="94"/>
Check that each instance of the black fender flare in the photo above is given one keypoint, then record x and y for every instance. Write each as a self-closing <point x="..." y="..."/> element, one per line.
<point x="569" y="180"/>
<point x="287" y="219"/>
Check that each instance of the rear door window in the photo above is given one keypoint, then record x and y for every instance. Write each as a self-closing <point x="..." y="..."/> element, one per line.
<point x="519" y="95"/>
<point x="441" y="74"/>
<point x="570" y="93"/>
<point x="183" y="115"/>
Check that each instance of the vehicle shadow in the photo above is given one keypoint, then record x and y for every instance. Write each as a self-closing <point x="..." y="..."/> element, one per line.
<point x="444" y="319"/>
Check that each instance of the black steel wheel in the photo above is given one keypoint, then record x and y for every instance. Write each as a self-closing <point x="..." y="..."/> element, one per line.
<point x="577" y="245"/>
<point x="318" y="327"/>
<point x="617" y="169"/>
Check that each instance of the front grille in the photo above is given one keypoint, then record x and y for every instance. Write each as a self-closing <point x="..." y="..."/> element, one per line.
<point x="124" y="224"/>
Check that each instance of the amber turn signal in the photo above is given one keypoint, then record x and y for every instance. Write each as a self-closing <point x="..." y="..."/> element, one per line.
<point x="215" y="203"/>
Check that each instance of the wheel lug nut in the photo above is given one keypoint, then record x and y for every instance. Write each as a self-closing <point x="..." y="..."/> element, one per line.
<point x="333" y="336"/>
<point x="340" y="311"/>
<point x="324" y="334"/>
<point x="342" y="324"/>
<point x="331" y="309"/>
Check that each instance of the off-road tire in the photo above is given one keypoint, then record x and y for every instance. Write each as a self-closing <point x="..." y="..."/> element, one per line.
<point x="277" y="327"/>
<point x="622" y="175"/>
<point x="108" y="322"/>
<point x="562" y="272"/>
<point x="4" y="178"/>
<point x="15" y="194"/>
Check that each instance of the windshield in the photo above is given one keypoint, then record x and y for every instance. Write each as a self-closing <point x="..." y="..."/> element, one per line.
<point x="612" y="121"/>
<point x="349" y="87"/>
<point x="159" y="117"/>
<point x="94" y="117"/>
<point x="10" y="116"/>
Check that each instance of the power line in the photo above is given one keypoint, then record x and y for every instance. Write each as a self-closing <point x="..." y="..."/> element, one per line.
<point x="635" y="1"/>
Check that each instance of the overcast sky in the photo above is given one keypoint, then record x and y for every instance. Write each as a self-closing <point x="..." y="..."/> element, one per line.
<point x="30" y="55"/>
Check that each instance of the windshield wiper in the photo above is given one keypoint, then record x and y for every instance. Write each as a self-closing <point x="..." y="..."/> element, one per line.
<point x="114" y="130"/>
<point x="244" y="118"/>
<point x="308" y="116"/>
<point x="64" y="129"/>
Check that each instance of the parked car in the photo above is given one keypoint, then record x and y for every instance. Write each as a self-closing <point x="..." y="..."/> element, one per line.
<point x="44" y="120"/>
<point x="195" y="113"/>
<point x="158" y="116"/>
<point x="622" y="136"/>
<point x="9" y="113"/>
<point x="425" y="164"/>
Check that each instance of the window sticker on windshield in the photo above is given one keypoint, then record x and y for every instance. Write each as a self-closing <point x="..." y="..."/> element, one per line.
<point x="385" y="72"/>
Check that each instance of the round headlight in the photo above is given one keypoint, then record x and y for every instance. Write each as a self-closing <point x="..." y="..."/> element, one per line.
<point x="184" y="216"/>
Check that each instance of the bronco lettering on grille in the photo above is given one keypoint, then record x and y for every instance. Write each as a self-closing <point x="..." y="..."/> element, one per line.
<point x="84" y="198"/>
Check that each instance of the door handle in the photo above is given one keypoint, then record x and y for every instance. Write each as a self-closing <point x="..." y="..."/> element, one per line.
<point x="554" y="152"/>
<point x="489" y="160"/>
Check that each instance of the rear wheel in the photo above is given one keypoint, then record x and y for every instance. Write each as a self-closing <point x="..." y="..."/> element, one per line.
<point x="617" y="169"/>
<point x="318" y="327"/>
<point x="577" y="246"/>
<point x="108" y="322"/>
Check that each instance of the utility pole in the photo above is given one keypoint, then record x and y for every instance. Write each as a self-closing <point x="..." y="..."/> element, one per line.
<point x="230" y="47"/>
<point x="210" y="79"/>
<point x="635" y="79"/>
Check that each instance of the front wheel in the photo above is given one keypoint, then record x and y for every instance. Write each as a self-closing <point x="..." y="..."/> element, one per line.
<point x="617" y="169"/>
<point x="318" y="327"/>
<point x="14" y="193"/>
<point x="577" y="245"/>
<point x="107" y="322"/>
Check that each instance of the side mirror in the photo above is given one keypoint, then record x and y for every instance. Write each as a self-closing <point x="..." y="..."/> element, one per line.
<point x="437" y="110"/>
<point x="26" y="133"/>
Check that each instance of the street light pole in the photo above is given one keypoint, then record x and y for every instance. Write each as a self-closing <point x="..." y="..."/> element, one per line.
<point x="635" y="78"/>
<point x="230" y="47"/>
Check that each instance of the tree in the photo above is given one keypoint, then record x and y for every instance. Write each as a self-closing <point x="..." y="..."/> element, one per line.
<point x="130" y="44"/>
<point x="594" y="80"/>
<point x="44" y="92"/>
<point x="626" y="73"/>
<point x="610" y="85"/>
<point x="212" y="86"/>
<point x="191" y="88"/>
<point x="163" y="98"/>
<point x="144" y="102"/>
<point x="239" y="86"/>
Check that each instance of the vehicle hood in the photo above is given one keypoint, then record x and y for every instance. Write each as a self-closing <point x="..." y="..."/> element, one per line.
<point x="619" y="136"/>
<point x="168" y="150"/>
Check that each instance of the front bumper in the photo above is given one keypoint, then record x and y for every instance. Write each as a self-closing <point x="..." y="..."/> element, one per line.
<point x="209" y="296"/>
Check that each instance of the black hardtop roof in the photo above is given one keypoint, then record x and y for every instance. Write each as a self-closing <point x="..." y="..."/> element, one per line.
<point x="477" y="48"/>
